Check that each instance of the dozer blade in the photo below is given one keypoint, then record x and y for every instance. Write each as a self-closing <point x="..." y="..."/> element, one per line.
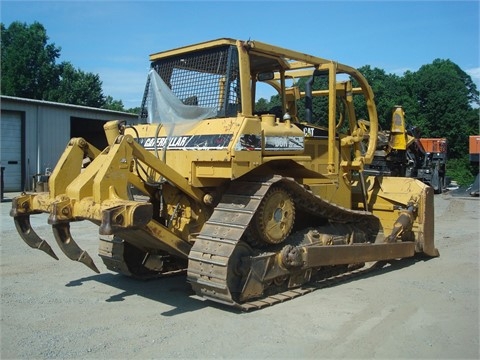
<point x="61" y="231"/>
<point x="31" y="238"/>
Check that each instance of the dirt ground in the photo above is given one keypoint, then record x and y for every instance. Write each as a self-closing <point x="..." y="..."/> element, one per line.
<point x="416" y="309"/>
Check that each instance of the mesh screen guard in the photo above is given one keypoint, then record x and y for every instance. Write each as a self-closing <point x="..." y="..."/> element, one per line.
<point x="193" y="86"/>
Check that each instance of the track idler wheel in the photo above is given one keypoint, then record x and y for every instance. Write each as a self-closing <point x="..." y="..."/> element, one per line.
<point x="274" y="218"/>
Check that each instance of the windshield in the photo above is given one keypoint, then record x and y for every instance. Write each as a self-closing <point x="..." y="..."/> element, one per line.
<point x="187" y="88"/>
<point x="164" y="107"/>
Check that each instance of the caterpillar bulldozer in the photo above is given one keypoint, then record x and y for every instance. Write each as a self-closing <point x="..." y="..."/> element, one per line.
<point x="253" y="205"/>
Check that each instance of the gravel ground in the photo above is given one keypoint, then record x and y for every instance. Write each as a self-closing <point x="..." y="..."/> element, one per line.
<point x="415" y="309"/>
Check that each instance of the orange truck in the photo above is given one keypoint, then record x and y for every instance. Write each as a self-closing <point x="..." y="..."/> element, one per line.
<point x="434" y="145"/>
<point x="474" y="148"/>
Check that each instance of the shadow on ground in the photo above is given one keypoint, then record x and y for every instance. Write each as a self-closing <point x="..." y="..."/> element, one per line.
<point x="173" y="290"/>
<point x="177" y="292"/>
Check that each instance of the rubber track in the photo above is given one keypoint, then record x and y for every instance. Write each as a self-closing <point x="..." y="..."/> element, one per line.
<point x="208" y="266"/>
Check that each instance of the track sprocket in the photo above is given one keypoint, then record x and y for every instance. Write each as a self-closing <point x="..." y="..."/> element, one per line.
<point x="275" y="217"/>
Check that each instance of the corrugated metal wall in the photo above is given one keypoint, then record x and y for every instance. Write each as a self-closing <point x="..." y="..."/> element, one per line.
<point x="11" y="149"/>
<point x="47" y="131"/>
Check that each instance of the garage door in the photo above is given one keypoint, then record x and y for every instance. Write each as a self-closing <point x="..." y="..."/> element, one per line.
<point x="11" y="150"/>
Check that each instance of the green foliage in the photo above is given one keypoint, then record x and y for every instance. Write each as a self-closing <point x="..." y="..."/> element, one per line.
<point x="77" y="87"/>
<point x="461" y="170"/>
<point x="29" y="70"/>
<point x="388" y="91"/>
<point x="135" y="110"/>
<point x="112" y="104"/>
<point x="262" y="105"/>
<point x="28" y="61"/>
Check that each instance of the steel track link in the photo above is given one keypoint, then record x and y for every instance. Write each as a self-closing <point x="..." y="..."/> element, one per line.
<point x="209" y="270"/>
<point x="324" y="282"/>
<point x="208" y="261"/>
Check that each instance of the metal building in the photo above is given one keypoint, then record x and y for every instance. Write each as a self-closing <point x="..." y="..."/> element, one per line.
<point x="33" y="135"/>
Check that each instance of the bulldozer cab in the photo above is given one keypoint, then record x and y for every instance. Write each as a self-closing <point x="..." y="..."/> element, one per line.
<point x="224" y="78"/>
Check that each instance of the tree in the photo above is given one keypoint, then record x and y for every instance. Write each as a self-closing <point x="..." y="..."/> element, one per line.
<point x="29" y="69"/>
<point x="77" y="87"/>
<point x="261" y="105"/>
<point x="462" y="170"/>
<point x="112" y="104"/>
<point x="135" y="110"/>
<point x="28" y="61"/>
<point x="388" y="93"/>
<point x="444" y="94"/>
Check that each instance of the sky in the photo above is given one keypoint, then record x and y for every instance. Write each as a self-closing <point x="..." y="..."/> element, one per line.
<point x="115" y="38"/>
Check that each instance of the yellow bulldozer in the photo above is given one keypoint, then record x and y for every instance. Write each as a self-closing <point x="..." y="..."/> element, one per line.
<point x="255" y="206"/>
